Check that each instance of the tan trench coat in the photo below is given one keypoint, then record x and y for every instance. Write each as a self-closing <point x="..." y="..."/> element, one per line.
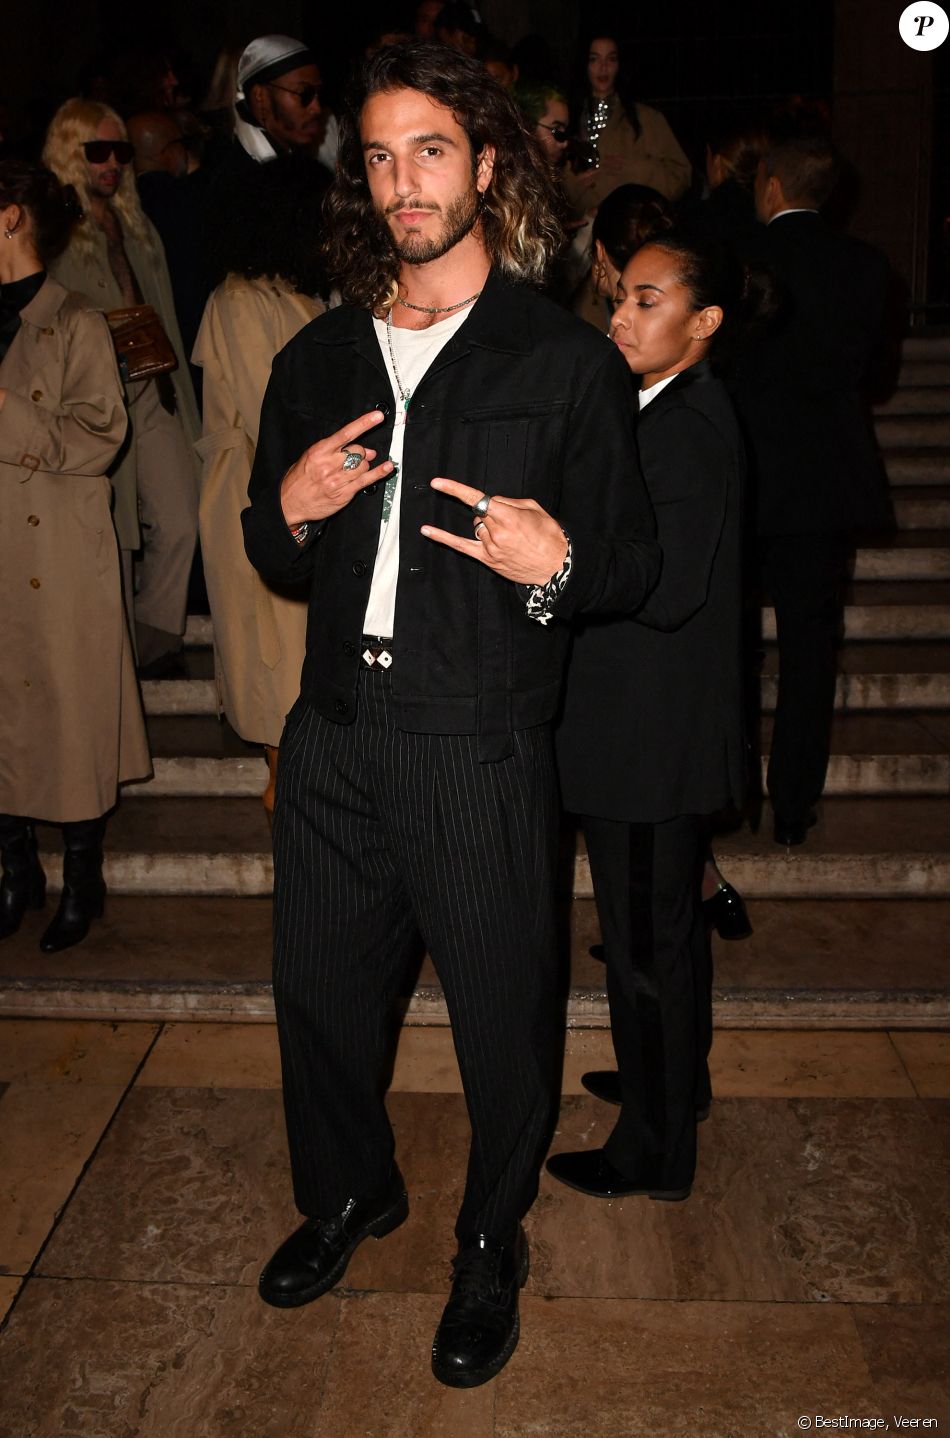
<point x="653" y="158"/>
<point x="89" y="274"/>
<point x="71" y="726"/>
<point x="259" y="631"/>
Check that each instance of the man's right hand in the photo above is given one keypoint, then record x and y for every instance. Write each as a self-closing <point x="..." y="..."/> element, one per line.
<point x="318" y="485"/>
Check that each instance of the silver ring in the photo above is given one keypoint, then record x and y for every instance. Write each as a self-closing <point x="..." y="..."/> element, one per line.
<point x="480" y="525"/>
<point x="353" y="460"/>
<point x="480" y="507"/>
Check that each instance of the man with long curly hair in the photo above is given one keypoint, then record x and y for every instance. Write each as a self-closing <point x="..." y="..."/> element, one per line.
<point x="116" y="259"/>
<point x="414" y="447"/>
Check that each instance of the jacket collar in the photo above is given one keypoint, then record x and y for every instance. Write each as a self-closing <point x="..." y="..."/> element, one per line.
<point x="700" y="373"/>
<point x="45" y="305"/>
<point x="500" y="320"/>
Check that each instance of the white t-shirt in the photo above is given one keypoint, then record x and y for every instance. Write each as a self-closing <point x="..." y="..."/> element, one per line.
<point x="415" y="351"/>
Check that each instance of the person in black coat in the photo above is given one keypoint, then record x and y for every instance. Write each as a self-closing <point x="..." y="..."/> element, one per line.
<point x="650" y="741"/>
<point x="814" y="465"/>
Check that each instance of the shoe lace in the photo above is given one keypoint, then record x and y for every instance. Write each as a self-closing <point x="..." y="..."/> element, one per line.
<point x="475" y="1274"/>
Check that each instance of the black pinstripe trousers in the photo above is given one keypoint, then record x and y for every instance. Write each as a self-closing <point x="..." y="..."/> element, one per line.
<point x="659" y="984"/>
<point x="380" y="834"/>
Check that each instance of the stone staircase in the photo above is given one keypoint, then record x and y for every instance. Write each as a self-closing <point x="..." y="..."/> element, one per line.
<point x="850" y="929"/>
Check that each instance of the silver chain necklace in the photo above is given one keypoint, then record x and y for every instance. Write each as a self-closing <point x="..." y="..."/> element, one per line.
<point x="438" y="309"/>
<point x="405" y="395"/>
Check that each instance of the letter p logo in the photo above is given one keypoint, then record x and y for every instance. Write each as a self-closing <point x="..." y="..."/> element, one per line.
<point x="924" y="25"/>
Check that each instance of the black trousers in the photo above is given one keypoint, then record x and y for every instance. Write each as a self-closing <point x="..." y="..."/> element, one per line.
<point x="805" y="576"/>
<point x="659" y="985"/>
<point x="379" y="834"/>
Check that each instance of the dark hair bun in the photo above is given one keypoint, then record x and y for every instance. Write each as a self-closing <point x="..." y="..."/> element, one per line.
<point x="53" y="208"/>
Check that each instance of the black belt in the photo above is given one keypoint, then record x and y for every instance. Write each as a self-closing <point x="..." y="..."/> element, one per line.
<point x="376" y="652"/>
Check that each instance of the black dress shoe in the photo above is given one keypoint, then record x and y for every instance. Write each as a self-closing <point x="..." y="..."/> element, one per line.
<point x="590" y="1171"/>
<point x="605" y="1084"/>
<point x="794" y="831"/>
<point x="479" y="1328"/>
<point x="314" y="1258"/>
<point x="726" y="913"/>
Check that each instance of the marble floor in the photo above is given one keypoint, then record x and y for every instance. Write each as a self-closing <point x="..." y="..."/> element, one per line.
<point x="143" y="1180"/>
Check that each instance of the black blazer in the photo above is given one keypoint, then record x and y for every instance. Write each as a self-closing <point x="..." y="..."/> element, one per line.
<point x="813" y="460"/>
<point x="524" y="400"/>
<point x="651" y="725"/>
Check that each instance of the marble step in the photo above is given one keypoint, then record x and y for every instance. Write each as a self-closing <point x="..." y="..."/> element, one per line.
<point x="928" y="431"/>
<point x="904" y="561"/>
<point x="926" y="347"/>
<point x="862" y="691"/>
<point x="913" y="466"/>
<point x="928" y="396"/>
<point x="192" y="777"/>
<point x="862" y="847"/>
<point x="923" y="508"/>
<point x="808" y="964"/>
<point x="914" y="372"/>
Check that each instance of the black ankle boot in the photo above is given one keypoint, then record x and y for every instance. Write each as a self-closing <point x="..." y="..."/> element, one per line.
<point x="84" y="888"/>
<point x="23" y="885"/>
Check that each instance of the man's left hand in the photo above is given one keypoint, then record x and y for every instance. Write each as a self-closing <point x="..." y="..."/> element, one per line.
<point x="516" y="538"/>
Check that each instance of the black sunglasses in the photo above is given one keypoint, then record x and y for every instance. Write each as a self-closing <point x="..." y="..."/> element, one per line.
<point x="98" y="151"/>
<point x="306" y="94"/>
<point x="559" y="133"/>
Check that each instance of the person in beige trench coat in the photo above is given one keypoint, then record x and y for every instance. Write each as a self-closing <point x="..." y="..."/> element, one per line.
<point x="71" y="725"/>
<point x="156" y="477"/>
<point x="259" y="631"/>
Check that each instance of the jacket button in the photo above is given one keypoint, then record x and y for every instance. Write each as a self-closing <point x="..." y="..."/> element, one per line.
<point x="34" y="584"/>
<point x="349" y="647"/>
<point x="36" y="396"/>
<point x="371" y="489"/>
<point x="34" y="520"/>
<point x="340" y="706"/>
<point x="359" y="567"/>
<point x="415" y="569"/>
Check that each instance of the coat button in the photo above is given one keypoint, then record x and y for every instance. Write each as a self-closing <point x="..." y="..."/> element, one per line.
<point x="34" y="520"/>
<point x="340" y="706"/>
<point x="34" y="584"/>
<point x="36" y="396"/>
<point x="349" y="647"/>
<point x="370" y="489"/>
<point x="359" y="567"/>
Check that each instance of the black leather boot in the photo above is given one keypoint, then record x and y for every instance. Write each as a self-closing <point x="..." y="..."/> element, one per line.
<point x="84" y="888"/>
<point x="23" y="885"/>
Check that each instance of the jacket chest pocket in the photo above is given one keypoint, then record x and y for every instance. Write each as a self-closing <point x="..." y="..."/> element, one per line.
<point x="516" y="451"/>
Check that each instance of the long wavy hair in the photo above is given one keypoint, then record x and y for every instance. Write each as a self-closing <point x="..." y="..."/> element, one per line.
<point x="517" y="219"/>
<point x="75" y="122"/>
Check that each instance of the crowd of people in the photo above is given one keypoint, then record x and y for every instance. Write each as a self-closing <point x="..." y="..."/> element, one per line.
<point x="501" y="408"/>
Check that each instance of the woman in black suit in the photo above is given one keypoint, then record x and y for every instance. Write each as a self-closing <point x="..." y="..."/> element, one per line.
<point x="651" y="740"/>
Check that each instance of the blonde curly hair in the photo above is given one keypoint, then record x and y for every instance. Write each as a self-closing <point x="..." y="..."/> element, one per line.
<point x="76" y="122"/>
